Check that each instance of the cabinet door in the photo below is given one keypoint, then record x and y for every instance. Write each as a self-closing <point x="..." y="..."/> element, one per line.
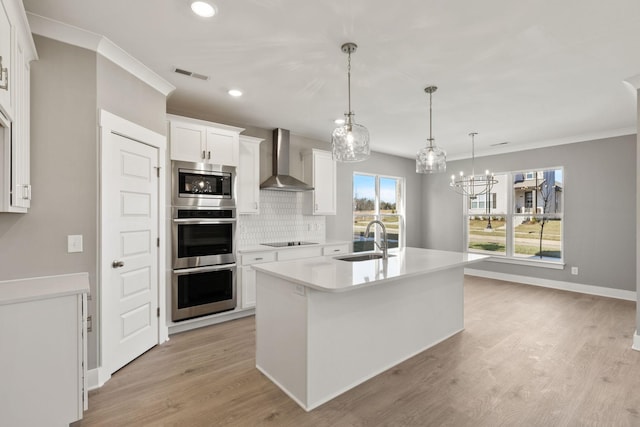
<point x="249" y="177"/>
<point x="222" y="147"/>
<point x="248" y="281"/>
<point x="5" y="67"/>
<point x="324" y="183"/>
<point x="20" y="144"/>
<point x="188" y="142"/>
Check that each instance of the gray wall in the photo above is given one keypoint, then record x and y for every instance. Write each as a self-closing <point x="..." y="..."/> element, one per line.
<point x="68" y="85"/>
<point x="599" y="210"/>
<point x="124" y="95"/>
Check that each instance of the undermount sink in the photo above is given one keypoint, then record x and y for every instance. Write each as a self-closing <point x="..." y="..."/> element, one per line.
<point x="361" y="257"/>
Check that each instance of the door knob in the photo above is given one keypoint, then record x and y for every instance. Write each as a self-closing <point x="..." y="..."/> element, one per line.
<point x="117" y="264"/>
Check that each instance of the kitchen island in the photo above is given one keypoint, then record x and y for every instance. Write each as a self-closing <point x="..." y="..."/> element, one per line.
<point x="325" y="325"/>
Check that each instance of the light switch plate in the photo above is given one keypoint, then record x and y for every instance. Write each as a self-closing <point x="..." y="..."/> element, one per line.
<point x="74" y="243"/>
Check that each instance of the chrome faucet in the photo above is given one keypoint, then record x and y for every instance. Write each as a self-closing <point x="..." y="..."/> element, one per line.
<point x="385" y="242"/>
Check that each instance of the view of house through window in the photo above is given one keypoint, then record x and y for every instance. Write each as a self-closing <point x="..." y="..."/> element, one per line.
<point x="521" y="218"/>
<point x="377" y="197"/>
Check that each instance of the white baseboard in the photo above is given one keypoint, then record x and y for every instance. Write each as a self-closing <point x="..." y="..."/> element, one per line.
<point x="636" y="342"/>
<point x="556" y="284"/>
<point x="96" y="378"/>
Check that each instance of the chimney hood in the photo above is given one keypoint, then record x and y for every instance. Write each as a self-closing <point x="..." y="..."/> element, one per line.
<point x="280" y="178"/>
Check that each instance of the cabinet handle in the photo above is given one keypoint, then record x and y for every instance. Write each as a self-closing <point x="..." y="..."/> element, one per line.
<point x="4" y="72"/>
<point x="336" y="250"/>
<point x="258" y="259"/>
<point x="117" y="264"/>
<point x="208" y="155"/>
<point x="203" y="154"/>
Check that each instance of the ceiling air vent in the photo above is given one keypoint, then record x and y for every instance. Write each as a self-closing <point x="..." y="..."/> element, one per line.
<point x="191" y="74"/>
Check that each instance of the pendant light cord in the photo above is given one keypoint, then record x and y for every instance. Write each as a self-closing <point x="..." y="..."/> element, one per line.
<point x="430" y="122"/>
<point x="349" y="85"/>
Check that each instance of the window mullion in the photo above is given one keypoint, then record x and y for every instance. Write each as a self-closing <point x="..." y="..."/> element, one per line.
<point x="510" y="238"/>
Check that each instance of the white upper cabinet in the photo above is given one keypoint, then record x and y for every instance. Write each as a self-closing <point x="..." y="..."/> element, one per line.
<point x="5" y="62"/>
<point x="199" y="141"/>
<point x="248" y="176"/>
<point x="17" y="51"/>
<point x="319" y="171"/>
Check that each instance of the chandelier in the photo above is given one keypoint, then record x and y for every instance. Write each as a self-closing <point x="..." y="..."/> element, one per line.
<point x="473" y="185"/>
<point x="431" y="159"/>
<point x="350" y="142"/>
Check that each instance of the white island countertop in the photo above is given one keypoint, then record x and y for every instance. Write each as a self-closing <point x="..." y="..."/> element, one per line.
<point x="333" y="275"/>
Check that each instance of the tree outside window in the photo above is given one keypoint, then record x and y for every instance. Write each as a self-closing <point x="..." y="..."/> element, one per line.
<point x="527" y="220"/>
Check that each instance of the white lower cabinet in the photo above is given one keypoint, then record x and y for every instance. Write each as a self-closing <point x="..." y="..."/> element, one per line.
<point x="43" y="350"/>
<point x="342" y="248"/>
<point x="248" y="280"/>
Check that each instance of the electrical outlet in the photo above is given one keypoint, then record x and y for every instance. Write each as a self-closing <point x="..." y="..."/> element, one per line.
<point x="574" y="271"/>
<point x="74" y="243"/>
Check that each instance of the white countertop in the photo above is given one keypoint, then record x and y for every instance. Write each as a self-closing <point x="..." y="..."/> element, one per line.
<point x="260" y="248"/>
<point x="37" y="288"/>
<point x="332" y="275"/>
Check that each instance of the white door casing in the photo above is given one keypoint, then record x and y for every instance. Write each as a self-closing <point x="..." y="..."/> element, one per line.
<point x="131" y="262"/>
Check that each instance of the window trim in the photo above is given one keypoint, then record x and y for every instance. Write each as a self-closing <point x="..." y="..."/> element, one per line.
<point x="509" y="257"/>
<point x="400" y="206"/>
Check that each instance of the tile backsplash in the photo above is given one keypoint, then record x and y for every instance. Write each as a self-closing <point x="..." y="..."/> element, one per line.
<point x="280" y="220"/>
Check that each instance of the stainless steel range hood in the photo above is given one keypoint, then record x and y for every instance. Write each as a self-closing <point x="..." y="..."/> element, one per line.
<point x="280" y="178"/>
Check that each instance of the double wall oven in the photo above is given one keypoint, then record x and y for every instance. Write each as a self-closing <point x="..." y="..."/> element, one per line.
<point x="203" y="236"/>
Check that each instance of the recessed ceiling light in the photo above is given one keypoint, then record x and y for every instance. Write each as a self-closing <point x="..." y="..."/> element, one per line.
<point x="203" y="8"/>
<point x="235" y="92"/>
<point x="339" y="121"/>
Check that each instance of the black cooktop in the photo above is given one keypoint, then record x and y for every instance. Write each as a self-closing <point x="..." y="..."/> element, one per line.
<point x="283" y="244"/>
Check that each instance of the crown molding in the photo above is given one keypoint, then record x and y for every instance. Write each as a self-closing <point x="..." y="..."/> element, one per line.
<point x="504" y="149"/>
<point x="75" y="36"/>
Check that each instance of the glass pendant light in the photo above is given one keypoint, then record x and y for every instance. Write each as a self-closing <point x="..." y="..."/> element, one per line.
<point x="350" y="142"/>
<point x="431" y="159"/>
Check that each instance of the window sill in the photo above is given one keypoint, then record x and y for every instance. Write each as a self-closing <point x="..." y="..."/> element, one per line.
<point x="529" y="263"/>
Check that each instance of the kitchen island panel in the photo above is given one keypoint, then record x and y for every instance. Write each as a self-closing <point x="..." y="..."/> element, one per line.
<point x="342" y="339"/>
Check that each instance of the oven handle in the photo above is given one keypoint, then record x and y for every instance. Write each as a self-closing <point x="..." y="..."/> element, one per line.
<point x="204" y="269"/>
<point x="203" y="221"/>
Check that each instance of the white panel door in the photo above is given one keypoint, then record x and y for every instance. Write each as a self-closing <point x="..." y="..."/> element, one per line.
<point x="131" y="252"/>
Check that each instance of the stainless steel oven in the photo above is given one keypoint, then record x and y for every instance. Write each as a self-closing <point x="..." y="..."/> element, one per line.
<point x="203" y="236"/>
<point x="202" y="184"/>
<point x="204" y="290"/>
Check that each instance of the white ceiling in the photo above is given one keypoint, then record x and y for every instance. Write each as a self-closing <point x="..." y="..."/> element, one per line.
<point x="531" y="73"/>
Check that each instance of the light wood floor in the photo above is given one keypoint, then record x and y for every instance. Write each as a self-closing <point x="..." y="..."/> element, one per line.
<point x="528" y="356"/>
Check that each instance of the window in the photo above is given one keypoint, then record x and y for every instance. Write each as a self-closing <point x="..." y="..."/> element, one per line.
<point x="524" y="219"/>
<point x="528" y="199"/>
<point x="377" y="197"/>
<point x="480" y="202"/>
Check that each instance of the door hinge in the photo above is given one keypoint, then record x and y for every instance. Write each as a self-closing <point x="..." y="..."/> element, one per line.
<point x="158" y="312"/>
<point x="158" y="242"/>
